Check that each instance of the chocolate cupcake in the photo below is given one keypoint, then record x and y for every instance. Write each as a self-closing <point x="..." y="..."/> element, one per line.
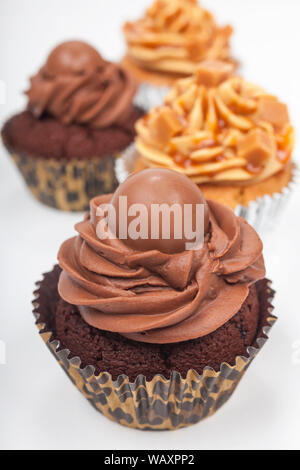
<point x="80" y="116"/>
<point x="231" y="137"/>
<point x="169" y="42"/>
<point x="154" y="332"/>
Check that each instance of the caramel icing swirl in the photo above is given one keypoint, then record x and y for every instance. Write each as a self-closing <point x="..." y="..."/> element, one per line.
<point x="77" y="86"/>
<point x="155" y="297"/>
<point x="216" y="127"/>
<point x="174" y="36"/>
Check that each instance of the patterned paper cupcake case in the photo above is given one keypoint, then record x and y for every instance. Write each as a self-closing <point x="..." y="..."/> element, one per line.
<point x="158" y="404"/>
<point x="262" y="214"/>
<point x="67" y="184"/>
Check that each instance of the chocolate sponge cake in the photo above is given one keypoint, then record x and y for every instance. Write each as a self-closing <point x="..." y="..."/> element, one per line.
<point x="147" y="316"/>
<point x="117" y="355"/>
<point x="51" y="139"/>
<point x="80" y="115"/>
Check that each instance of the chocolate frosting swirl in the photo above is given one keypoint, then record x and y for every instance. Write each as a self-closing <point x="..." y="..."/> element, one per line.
<point x="76" y="85"/>
<point x="155" y="297"/>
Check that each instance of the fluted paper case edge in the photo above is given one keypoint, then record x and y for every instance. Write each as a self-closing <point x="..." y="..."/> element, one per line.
<point x="158" y="404"/>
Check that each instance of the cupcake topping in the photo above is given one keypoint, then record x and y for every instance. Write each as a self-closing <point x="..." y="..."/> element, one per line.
<point x="76" y="85"/>
<point x="216" y="127"/>
<point x="149" y="293"/>
<point x="211" y="73"/>
<point x="162" y="188"/>
<point x="174" y="36"/>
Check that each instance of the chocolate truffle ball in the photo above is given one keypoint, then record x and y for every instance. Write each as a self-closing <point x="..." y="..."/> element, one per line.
<point x="73" y="57"/>
<point x="157" y="187"/>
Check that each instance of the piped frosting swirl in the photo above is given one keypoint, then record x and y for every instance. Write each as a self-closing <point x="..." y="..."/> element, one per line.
<point x="155" y="297"/>
<point x="76" y="85"/>
<point x="217" y="127"/>
<point x="174" y="36"/>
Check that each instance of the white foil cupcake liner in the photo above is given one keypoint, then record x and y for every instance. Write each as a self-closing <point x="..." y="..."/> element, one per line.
<point x="158" y="404"/>
<point x="263" y="213"/>
<point x="149" y="96"/>
<point x="125" y="163"/>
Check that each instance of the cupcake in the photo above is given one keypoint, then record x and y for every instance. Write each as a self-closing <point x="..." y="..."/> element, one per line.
<point x="80" y="116"/>
<point x="231" y="137"/>
<point x="169" y="42"/>
<point x="154" y="332"/>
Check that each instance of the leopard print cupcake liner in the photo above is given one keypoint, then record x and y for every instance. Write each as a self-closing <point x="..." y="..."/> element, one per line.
<point x="67" y="185"/>
<point x="158" y="404"/>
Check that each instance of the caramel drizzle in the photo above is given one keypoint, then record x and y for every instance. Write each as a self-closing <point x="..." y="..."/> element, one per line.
<point x="214" y="122"/>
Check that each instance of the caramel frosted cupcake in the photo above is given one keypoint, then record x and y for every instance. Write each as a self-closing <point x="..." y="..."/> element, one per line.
<point x="169" y="42"/>
<point x="231" y="137"/>
<point x="156" y="335"/>
<point x="80" y="115"/>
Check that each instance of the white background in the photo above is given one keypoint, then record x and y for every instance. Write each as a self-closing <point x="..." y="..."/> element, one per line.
<point x="39" y="407"/>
